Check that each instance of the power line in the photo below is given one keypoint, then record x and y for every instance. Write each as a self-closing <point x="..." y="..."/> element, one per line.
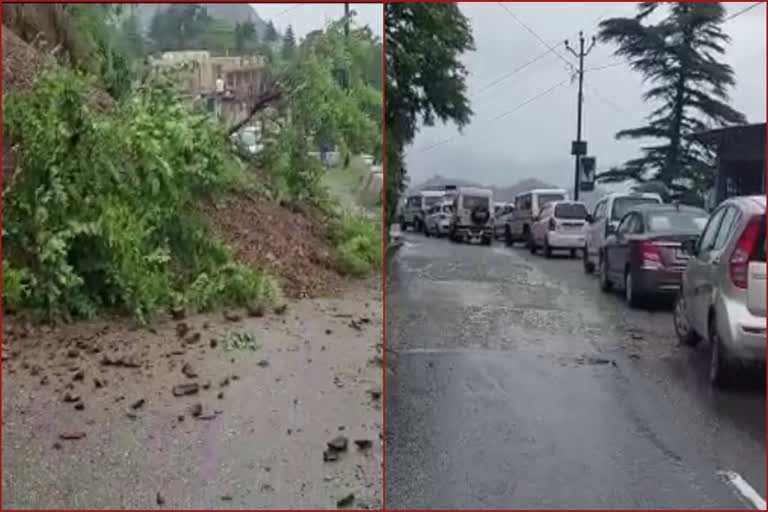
<point x="505" y="76"/>
<point x="289" y="9"/>
<point x="537" y="36"/>
<point x="500" y="116"/>
<point x="739" y="13"/>
<point x="606" y="66"/>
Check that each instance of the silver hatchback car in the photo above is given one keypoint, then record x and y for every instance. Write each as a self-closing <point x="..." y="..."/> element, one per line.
<point x="722" y="297"/>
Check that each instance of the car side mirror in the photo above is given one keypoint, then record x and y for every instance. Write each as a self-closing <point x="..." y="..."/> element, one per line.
<point x="689" y="247"/>
<point x="589" y="219"/>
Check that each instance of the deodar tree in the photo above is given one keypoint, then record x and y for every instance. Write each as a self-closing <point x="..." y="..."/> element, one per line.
<point x="679" y="55"/>
<point x="425" y="79"/>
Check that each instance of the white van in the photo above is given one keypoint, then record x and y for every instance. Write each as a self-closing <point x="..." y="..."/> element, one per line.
<point x="472" y="215"/>
<point x="528" y="206"/>
<point x="416" y="206"/>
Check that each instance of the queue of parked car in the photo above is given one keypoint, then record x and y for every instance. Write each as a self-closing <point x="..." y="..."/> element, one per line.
<point x="711" y="266"/>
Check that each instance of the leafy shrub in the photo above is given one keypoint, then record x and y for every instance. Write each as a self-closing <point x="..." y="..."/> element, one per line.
<point x="17" y="283"/>
<point x="357" y="241"/>
<point x="100" y="210"/>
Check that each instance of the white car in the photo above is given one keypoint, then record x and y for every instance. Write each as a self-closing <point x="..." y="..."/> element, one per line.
<point x="416" y="206"/>
<point x="560" y="226"/>
<point x="609" y="210"/>
<point x="438" y="220"/>
<point x="722" y="297"/>
<point x="528" y="206"/>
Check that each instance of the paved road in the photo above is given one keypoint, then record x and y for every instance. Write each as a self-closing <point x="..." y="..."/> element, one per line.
<point x="513" y="382"/>
<point x="308" y="382"/>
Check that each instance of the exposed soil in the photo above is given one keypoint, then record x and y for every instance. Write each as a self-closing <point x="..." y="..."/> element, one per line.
<point x="290" y="242"/>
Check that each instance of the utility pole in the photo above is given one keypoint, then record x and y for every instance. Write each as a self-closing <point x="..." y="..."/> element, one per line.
<point x="346" y="19"/>
<point x="579" y="147"/>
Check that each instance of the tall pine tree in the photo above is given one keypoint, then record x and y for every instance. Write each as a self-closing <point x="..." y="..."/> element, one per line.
<point x="679" y="56"/>
<point x="289" y="44"/>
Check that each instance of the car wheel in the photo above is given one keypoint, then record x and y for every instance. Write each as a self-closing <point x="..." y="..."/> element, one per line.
<point x="403" y="227"/>
<point x="605" y="283"/>
<point x="573" y="253"/>
<point x="589" y="267"/>
<point x="426" y="231"/>
<point x="630" y="294"/>
<point x="508" y="240"/>
<point x="531" y="244"/>
<point x="721" y="371"/>
<point x="547" y="248"/>
<point x="685" y="333"/>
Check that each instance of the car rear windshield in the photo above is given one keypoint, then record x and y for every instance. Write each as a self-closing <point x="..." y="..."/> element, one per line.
<point x="677" y="222"/>
<point x="759" y="252"/>
<point x="623" y="204"/>
<point x="544" y="199"/>
<point x="571" y="211"/>
<point x="470" y="202"/>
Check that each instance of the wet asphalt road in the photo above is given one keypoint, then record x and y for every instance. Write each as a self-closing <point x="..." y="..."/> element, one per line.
<point x="513" y="382"/>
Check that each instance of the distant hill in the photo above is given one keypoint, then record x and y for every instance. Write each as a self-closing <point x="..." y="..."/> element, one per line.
<point x="231" y="13"/>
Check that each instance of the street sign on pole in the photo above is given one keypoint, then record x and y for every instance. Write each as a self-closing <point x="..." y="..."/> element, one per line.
<point x="579" y="147"/>
<point x="587" y="175"/>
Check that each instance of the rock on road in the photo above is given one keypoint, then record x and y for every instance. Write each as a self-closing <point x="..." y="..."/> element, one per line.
<point x="251" y="436"/>
<point x="513" y="382"/>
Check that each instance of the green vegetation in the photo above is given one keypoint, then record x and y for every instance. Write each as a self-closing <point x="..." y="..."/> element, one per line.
<point x="679" y="56"/>
<point x="425" y="79"/>
<point x="99" y="213"/>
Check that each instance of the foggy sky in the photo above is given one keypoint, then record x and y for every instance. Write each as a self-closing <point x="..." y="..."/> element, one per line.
<point x="534" y="141"/>
<point x="305" y="18"/>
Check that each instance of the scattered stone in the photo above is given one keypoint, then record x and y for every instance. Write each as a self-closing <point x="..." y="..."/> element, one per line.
<point x="214" y="342"/>
<point x="224" y="383"/>
<point x="207" y="416"/>
<point x="255" y="310"/>
<point x="235" y="377"/>
<point x="180" y="417"/>
<point x="330" y="456"/>
<point x="207" y="384"/>
<point x="35" y="370"/>
<point x="196" y="410"/>
<point x="231" y="316"/>
<point x="328" y="332"/>
<point x="635" y="336"/>
<point x="138" y="404"/>
<point x="79" y="376"/>
<point x="634" y="357"/>
<point x="132" y="415"/>
<point x="73" y="352"/>
<point x="186" y="389"/>
<point x="226" y="498"/>
<point x="70" y="398"/>
<point x="98" y="383"/>
<point x="363" y="444"/>
<point x="178" y="313"/>
<point x="263" y="363"/>
<point x="159" y="499"/>
<point x="375" y="393"/>
<point x="71" y="436"/>
<point x="57" y="446"/>
<point x="193" y="338"/>
<point x="79" y="406"/>
<point x="338" y="444"/>
<point x="44" y="381"/>
<point x="346" y="501"/>
<point x="220" y="396"/>
<point x="188" y="371"/>
<point x="281" y="309"/>
<point x="355" y="325"/>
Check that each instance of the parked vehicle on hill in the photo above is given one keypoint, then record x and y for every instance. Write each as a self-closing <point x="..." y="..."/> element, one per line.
<point x="722" y="297"/>
<point x="559" y="226"/>
<point x="528" y="206"/>
<point x="416" y="206"/>
<point x="644" y="256"/>
<point x="438" y="221"/>
<point x="501" y="214"/>
<point x="472" y="218"/>
<point x="603" y="221"/>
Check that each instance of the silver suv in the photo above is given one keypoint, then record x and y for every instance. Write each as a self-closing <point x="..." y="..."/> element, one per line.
<point x="722" y="298"/>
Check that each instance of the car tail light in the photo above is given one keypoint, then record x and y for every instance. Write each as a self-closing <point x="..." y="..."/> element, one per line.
<point x="552" y="225"/>
<point x="650" y="255"/>
<point x="739" y="261"/>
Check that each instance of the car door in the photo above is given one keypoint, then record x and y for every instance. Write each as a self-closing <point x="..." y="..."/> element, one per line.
<point x="618" y="245"/>
<point x="538" y="226"/>
<point x="699" y="276"/>
<point x="592" y="230"/>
